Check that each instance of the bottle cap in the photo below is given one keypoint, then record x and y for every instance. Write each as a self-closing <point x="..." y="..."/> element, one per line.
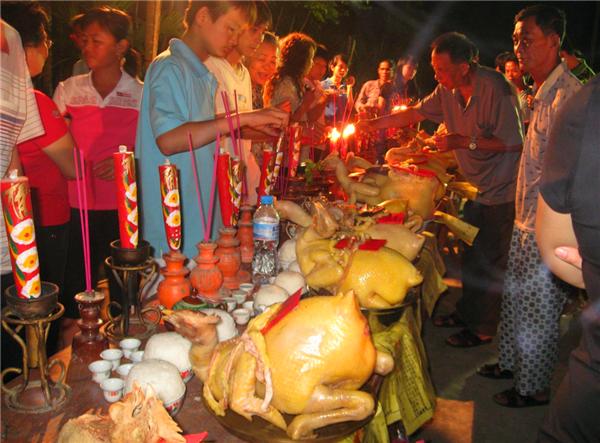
<point x="266" y="200"/>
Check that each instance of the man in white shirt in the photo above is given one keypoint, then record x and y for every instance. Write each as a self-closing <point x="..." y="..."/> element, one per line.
<point x="233" y="77"/>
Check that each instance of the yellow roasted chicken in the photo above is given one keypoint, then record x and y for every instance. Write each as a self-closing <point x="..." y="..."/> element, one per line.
<point x="379" y="278"/>
<point x="310" y="364"/>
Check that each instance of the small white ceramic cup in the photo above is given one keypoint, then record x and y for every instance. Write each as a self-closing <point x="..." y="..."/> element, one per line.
<point x="113" y="356"/>
<point x="249" y="305"/>
<point x="230" y="303"/>
<point x="100" y="370"/>
<point x="241" y="316"/>
<point x="123" y="370"/>
<point x="239" y="295"/>
<point x="112" y="389"/>
<point x="137" y="356"/>
<point x="129" y="346"/>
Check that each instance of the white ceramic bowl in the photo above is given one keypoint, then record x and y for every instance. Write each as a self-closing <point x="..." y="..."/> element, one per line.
<point x="113" y="356"/>
<point x="112" y="388"/>
<point x="129" y="346"/>
<point x="100" y="370"/>
<point x="241" y="316"/>
<point x="123" y="370"/>
<point x="164" y="377"/>
<point x="171" y="347"/>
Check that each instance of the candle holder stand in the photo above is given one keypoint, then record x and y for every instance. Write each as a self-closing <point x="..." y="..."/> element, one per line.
<point x="89" y="342"/>
<point x="35" y="315"/>
<point x="133" y="269"/>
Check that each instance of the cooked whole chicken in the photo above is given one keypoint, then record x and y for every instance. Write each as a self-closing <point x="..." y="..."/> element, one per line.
<point x="310" y="364"/>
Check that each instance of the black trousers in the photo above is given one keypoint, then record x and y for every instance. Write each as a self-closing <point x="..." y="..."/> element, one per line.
<point x="484" y="265"/>
<point x="104" y="228"/>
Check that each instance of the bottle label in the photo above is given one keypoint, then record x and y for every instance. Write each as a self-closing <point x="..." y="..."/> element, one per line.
<point x="267" y="231"/>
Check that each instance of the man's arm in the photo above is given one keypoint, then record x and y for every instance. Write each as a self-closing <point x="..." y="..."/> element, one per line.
<point x="176" y="140"/>
<point x="399" y="119"/>
<point x="553" y="231"/>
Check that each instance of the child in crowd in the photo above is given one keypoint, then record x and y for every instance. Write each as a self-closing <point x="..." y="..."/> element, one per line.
<point x="234" y="79"/>
<point x="102" y="107"/>
<point x="179" y="102"/>
<point x="341" y="97"/>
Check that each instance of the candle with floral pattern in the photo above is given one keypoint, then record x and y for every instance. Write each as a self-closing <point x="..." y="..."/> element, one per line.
<point x="20" y="230"/>
<point x="126" y="197"/>
<point x="169" y="191"/>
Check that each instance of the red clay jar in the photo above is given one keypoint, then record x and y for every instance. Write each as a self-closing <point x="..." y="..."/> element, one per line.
<point x="207" y="278"/>
<point x="175" y="286"/>
<point x="229" y="255"/>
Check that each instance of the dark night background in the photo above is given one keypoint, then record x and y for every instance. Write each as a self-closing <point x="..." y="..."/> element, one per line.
<point x="370" y="30"/>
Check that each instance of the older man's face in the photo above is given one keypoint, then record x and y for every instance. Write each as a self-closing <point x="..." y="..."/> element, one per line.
<point x="448" y="74"/>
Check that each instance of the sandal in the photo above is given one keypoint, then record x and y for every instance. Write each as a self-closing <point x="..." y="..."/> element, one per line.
<point x="512" y="399"/>
<point x="466" y="339"/>
<point x="493" y="371"/>
<point x="448" y="321"/>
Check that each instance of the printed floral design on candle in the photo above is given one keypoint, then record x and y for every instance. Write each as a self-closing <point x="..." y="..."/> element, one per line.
<point x="169" y="191"/>
<point x="126" y="197"/>
<point x="18" y="217"/>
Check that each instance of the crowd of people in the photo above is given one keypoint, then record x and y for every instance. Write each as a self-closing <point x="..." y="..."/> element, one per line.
<point x="524" y="130"/>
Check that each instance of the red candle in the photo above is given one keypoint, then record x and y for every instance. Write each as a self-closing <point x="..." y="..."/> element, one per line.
<point x="169" y="191"/>
<point x="126" y="197"/>
<point x="296" y="140"/>
<point x="236" y="178"/>
<point x="18" y="217"/>
<point x="223" y="185"/>
<point x="266" y="173"/>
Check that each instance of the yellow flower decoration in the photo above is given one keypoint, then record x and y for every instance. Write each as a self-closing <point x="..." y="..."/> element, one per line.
<point x="28" y="260"/>
<point x="23" y="233"/>
<point x="174" y="219"/>
<point x="172" y="199"/>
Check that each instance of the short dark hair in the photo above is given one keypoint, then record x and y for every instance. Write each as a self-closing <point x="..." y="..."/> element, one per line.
<point x="336" y="59"/>
<point x="511" y="57"/>
<point x="118" y="24"/>
<point x="263" y="14"/>
<point x="29" y="19"/>
<point x="501" y="60"/>
<point x="217" y="9"/>
<point x="458" y="47"/>
<point x="550" y="19"/>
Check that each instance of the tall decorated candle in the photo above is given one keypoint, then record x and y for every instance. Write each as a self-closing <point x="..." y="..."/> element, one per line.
<point x="126" y="197"/>
<point x="18" y="217"/>
<point x="169" y="191"/>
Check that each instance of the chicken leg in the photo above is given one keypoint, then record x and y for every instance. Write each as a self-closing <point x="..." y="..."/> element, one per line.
<point x="327" y="406"/>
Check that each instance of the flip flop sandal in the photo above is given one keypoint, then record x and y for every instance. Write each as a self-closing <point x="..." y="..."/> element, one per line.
<point x="448" y="321"/>
<point x="493" y="371"/>
<point x="512" y="399"/>
<point x="466" y="339"/>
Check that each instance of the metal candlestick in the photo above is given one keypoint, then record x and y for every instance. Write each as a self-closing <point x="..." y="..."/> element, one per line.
<point x="133" y="269"/>
<point x="43" y="395"/>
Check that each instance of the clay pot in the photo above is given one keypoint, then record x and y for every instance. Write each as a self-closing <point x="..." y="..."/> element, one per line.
<point x="229" y="255"/>
<point x="245" y="234"/>
<point x="207" y="278"/>
<point x="175" y="286"/>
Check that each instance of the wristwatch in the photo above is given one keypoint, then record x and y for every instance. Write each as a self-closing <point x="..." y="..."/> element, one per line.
<point x="473" y="143"/>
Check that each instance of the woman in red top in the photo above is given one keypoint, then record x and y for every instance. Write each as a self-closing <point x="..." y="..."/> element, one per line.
<point x="48" y="159"/>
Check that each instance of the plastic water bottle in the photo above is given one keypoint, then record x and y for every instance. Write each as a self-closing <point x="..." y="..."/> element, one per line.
<point x="266" y="239"/>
